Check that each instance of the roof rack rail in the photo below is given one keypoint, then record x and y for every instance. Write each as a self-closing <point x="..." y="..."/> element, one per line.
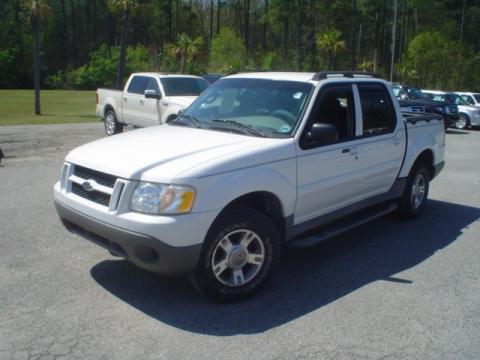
<point x="348" y="74"/>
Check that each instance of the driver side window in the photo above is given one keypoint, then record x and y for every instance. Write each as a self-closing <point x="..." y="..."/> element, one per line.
<point x="334" y="106"/>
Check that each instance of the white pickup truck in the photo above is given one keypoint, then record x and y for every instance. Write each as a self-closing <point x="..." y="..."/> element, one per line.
<point x="148" y="99"/>
<point x="258" y="161"/>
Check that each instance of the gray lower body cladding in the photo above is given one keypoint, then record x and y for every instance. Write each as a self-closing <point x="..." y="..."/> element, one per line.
<point x="144" y="251"/>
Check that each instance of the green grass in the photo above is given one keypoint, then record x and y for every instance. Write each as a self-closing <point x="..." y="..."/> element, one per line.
<point x="58" y="106"/>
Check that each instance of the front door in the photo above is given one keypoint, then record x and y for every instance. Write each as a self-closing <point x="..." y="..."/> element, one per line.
<point x="150" y="109"/>
<point x="134" y="101"/>
<point x="329" y="175"/>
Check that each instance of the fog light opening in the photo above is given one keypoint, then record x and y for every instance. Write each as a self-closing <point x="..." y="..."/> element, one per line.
<point x="146" y="254"/>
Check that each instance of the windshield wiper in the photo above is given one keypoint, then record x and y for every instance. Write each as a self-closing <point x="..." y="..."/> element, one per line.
<point x="192" y="120"/>
<point x="246" y="128"/>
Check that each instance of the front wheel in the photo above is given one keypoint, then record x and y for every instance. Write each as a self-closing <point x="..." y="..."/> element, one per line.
<point x="112" y="126"/>
<point x="413" y="201"/>
<point x="241" y="251"/>
<point x="462" y="122"/>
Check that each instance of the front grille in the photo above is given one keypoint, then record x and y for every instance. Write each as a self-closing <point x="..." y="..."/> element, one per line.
<point x="417" y="109"/>
<point x="99" y="177"/>
<point x="95" y="196"/>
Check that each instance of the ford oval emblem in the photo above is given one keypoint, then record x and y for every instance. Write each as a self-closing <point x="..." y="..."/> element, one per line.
<point x="87" y="186"/>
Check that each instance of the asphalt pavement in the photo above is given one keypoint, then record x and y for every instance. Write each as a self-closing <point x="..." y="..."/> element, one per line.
<point x="391" y="289"/>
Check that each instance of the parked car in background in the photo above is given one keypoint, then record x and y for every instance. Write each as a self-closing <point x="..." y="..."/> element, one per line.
<point x="258" y="162"/>
<point x="471" y="98"/>
<point x="468" y="115"/>
<point x="147" y="99"/>
<point x="412" y="99"/>
<point x="211" y="78"/>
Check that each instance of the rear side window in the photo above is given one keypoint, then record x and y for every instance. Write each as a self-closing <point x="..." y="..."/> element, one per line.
<point x="178" y="86"/>
<point x="377" y="109"/>
<point x="138" y="85"/>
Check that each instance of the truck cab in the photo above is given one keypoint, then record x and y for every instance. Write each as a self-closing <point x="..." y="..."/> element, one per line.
<point x="148" y="99"/>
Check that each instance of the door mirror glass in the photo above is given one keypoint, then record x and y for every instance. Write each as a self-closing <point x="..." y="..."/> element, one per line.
<point x="322" y="133"/>
<point x="152" y="94"/>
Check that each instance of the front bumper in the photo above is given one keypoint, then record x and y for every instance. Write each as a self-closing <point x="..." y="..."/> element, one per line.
<point x="475" y="120"/>
<point x="145" y="251"/>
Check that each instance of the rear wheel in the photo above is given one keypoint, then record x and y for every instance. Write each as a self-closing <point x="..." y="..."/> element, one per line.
<point x="462" y="122"/>
<point x="414" y="198"/>
<point x="112" y="126"/>
<point x="241" y="251"/>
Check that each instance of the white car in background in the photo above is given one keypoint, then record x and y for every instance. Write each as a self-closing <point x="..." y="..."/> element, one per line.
<point x="148" y="99"/>
<point x="468" y="115"/>
<point x="471" y="98"/>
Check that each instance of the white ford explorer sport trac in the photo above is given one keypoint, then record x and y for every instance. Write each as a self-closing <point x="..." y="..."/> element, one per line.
<point x="257" y="161"/>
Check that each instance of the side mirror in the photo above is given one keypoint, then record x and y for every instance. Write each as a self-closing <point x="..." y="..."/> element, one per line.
<point x="322" y="133"/>
<point x="152" y="94"/>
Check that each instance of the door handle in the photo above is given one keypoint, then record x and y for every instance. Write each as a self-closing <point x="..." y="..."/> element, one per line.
<point x="125" y="99"/>
<point x="142" y="102"/>
<point x="396" y="140"/>
<point x="352" y="151"/>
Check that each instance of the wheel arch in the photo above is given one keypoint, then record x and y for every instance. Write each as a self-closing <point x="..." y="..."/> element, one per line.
<point x="170" y="117"/>
<point x="426" y="157"/>
<point x="107" y="108"/>
<point x="467" y="117"/>
<point x="265" y="202"/>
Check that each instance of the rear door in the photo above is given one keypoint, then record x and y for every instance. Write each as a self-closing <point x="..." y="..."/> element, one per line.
<point x="383" y="141"/>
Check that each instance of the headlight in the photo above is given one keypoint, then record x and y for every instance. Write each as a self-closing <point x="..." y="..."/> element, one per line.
<point x="153" y="198"/>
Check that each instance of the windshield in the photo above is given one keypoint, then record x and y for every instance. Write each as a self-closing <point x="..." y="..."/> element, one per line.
<point x="452" y="99"/>
<point x="415" y="93"/>
<point x="268" y="107"/>
<point x="396" y="90"/>
<point x="458" y="100"/>
<point x="468" y="99"/>
<point x="182" y="86"/>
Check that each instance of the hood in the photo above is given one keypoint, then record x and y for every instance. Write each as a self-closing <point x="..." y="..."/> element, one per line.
<point x="184" y="101"/>
<point x="159" y="153"/>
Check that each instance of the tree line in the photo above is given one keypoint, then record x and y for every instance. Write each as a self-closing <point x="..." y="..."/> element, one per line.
<point x="89" y="43"/>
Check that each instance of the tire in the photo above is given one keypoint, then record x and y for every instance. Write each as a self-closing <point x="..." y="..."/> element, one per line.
<point x="171" y="118"/>
<point x="112" y="126"/>
<point x="414" y="199"/>
<point x="240" y="270"/>
<point x="462" y="122"/>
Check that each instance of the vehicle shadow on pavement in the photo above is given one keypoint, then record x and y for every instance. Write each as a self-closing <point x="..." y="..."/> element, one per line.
<point x="457" y="132"/>
<point x="306" y="279"/>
